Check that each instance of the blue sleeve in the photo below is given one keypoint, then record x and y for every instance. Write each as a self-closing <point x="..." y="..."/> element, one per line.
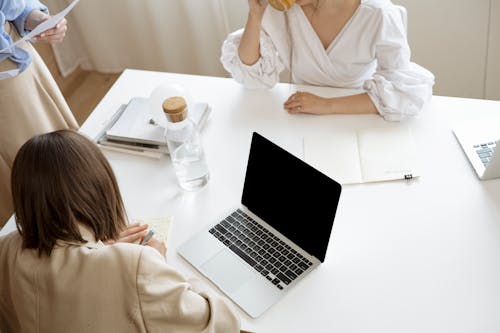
<point x="31" y="5"/>
<point x="4" y="40"/>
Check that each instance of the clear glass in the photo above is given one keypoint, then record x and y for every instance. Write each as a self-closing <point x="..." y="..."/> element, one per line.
<point x="187" y="155"/>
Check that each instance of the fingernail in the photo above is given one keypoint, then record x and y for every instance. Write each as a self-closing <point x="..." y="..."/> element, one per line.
<point x="42" y="35"/>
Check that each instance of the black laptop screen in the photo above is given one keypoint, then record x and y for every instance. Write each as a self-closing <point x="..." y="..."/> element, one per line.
<point x="291" y="196"/>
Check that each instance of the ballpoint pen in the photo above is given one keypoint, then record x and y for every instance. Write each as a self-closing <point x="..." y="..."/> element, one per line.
<point x="148" y="236"/>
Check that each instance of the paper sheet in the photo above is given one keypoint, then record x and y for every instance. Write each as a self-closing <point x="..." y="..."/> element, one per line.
<point x="44" y="26"/>
<point x="160" y="226"/>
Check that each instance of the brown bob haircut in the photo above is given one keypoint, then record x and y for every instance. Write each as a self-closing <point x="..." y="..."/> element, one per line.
<point x="59" y="180"/>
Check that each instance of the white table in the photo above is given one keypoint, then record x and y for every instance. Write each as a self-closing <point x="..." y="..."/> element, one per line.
<point x="418" y="257"/>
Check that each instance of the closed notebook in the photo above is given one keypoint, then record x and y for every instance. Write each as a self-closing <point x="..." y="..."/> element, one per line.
<point x="368" y="155"/>
<point x="138" y="124"/>
<point x="135" y="125"/>
<point x="136" y="130"/>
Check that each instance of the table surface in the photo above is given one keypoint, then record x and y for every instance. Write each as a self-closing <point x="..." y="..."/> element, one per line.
<point x="419" y="256"/>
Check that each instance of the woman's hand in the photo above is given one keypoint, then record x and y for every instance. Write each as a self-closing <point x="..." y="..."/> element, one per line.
<point x="54" y="35"/>
<point x="158" y="246"/>
<point x="304" y="102"/>
<point x="133" y="233"/>
<point x="256" y="8"/>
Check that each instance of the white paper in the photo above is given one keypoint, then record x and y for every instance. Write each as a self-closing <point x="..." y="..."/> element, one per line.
<point x="44" y="26"/>
<point x="159" y="225"/>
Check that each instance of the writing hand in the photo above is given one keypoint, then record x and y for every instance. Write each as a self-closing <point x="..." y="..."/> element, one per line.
<point x="133" y="233"/>
<point x="158" y="246"/>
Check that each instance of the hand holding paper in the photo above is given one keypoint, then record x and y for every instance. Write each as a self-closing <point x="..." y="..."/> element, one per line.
<point x="51" y="22"/>
<point x="47" y="27"/>
<point x="54" y="35"/>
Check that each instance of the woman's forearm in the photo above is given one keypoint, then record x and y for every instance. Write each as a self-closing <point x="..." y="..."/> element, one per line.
<point x="35" y="18"/>
<point x="355" y="104"/>
<point x="249" y="49"/>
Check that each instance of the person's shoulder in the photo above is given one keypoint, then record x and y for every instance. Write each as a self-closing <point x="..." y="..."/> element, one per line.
<point x="376" y="4"/>
<point x="380" y="7"/>
<point x="130" y="251"/>
<point x="11" y="240"/>
<point x="11" y="246"/>
<point x="134" y="253"/>
<point x="383" y="12"/>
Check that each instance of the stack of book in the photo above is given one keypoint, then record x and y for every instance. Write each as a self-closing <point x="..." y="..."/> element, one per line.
<point x="134" y="129"/>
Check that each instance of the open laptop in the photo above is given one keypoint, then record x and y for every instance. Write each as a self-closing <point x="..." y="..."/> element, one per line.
<point x="279" y="233"/>
<point x="480" y="146"/>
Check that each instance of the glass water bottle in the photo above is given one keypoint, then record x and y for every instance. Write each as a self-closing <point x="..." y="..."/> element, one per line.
<point x="184" y="146"/>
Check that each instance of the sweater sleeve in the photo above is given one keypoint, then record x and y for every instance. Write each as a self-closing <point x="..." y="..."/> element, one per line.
<point x="30" y="6"/>
<point x="263" y="74"/>
<point x="169" y="303"/>
<point x="399" y="88"/>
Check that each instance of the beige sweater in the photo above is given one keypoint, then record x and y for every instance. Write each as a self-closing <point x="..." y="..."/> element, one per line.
<point x="94" y="287"/>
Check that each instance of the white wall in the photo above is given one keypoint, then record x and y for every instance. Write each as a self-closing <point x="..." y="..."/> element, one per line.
<point x="493" y="72"/>
<point x="452" y="38"/>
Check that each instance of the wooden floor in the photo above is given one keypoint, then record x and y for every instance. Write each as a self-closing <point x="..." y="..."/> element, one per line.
<point x="83" y="90"/>
<point x="88" y="92"/>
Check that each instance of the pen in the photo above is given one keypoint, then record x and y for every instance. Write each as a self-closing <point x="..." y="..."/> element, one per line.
<point x="146" y="238"/>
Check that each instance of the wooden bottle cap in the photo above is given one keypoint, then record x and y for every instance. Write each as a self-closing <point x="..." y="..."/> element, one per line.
<point x="281" y="5"/>
<point x="175" y="109"/>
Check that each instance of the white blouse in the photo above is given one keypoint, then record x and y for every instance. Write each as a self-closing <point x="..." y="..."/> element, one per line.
<point x="371" y="53"/>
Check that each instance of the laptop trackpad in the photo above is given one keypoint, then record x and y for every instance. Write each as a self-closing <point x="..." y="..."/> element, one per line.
<point x="227" y="271"/>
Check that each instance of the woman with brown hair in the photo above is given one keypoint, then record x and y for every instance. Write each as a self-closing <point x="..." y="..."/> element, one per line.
<point x="66" y="269"/>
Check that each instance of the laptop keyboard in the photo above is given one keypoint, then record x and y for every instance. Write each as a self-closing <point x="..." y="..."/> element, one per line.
<point x="485" y="151"/>
<point x="260" y="248"/>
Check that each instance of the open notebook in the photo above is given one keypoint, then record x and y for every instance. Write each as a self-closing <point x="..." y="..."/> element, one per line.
<point x="368" y="155"/>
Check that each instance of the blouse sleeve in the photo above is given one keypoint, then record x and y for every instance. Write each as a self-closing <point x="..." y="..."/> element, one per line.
<point x="30" y="6"/>
<point x="399" y="88"/>
<point x="169" y="303"/>
<point x="264" y="73"/>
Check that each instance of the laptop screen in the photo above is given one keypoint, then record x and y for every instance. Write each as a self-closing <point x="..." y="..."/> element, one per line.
<point x="291" y="196"/>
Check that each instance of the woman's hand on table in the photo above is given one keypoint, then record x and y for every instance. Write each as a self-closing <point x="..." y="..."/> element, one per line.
<point x="304" y="102"/>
